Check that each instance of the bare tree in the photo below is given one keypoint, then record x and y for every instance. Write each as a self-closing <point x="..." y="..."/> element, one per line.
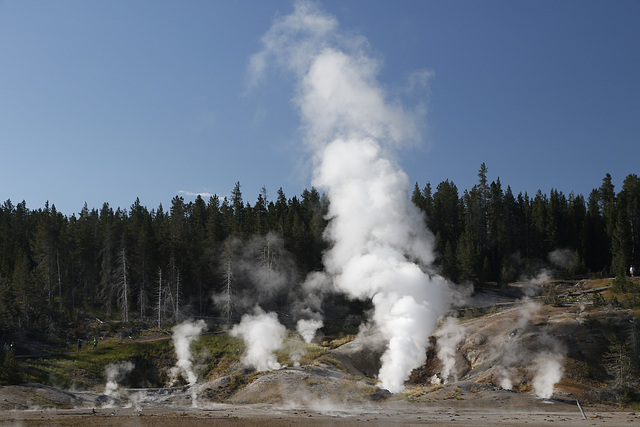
<point x="59" y="279"/>
<point x="268" y="259"/>
<point x="227" y="295"/>
<point x="144" y="293"/>
<point x="159" y="297"/>
<point x="121" y="283"/>
<point x="173" y="287"/>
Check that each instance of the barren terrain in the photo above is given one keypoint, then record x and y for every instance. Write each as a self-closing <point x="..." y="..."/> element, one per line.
<point x="486" y="406"/>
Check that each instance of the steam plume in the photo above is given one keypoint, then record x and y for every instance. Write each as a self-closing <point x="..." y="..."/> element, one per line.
<point x="381" y="249"/>
<point x="263" y="335"/>
<point x="307" y="329"/>
<point x="548" y="372"/>
<point x="544" y="364"/>
<point x="449" y="336"/>
<point x="183" y="335"/>
<point x="561" y="257"/>
<point x="115" y="372"/>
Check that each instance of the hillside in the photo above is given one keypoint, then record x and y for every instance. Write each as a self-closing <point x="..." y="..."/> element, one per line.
<point x="534" y="355"/>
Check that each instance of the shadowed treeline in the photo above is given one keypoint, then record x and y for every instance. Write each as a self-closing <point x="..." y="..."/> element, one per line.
<point x="160" y="266"/>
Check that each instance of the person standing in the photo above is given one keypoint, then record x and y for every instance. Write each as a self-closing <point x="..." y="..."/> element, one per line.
<point x="95" y="343"/>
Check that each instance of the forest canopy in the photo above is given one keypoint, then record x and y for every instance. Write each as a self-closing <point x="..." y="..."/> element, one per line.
<point x="159" y="266"/>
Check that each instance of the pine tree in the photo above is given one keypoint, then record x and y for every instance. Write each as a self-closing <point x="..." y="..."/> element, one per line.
<point x="607" y="200"/>
<point x="107" y="257"/>
<point x="238" y="210"/>
<point x="596" y="245"/>
<point x="630" y="195"/>
<point x="45" y="248"/>
<point x="9" y="370"/>
<point x="538" y="227"/>
<point x="84" y="253"/>
<point x="622" y="366"/>
<point x="417" y="198"/>
<point x="30" y="298"/>
<point x="9" y="309"/>
<point x="260" y="213"/>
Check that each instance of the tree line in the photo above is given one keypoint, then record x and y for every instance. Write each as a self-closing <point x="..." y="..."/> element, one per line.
<point x="160" y="265"/>
<point x="139" y="264"/>
<point x="488" y="234"/>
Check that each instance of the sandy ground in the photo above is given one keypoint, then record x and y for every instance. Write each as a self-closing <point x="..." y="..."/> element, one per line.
<point x="271" y="415"/>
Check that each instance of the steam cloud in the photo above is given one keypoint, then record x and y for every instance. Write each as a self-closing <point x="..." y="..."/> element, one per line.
<point x="115" y="372"/>
<point x="544" y="365"/>
<point x="307" y="329"/>
<point x="183" y="335"/>
<point x="549" y="370"/>
<point x="262" y="262"/>
<point x="561" y="257"/>
<point x="263" y="335"/>
<point x="449" y="336"/>
<point x="381" y="249"/>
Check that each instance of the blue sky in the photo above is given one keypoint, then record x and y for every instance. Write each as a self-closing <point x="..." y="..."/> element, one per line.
<point x="109" y="101"/>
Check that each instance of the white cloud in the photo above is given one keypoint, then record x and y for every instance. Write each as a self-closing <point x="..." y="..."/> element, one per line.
<point x="194" y="194"/>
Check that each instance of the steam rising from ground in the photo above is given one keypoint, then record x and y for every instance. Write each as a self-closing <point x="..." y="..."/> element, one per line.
<point x="544" y="364"/>
<point x="183" y="335"/>
<point x="263" y="335"/>
<point x="307" y="329"/>
<point x="381" y="249"/>
<point x="115" y="372"/>
<point x="549" y="370"/>
<point x="449" y="336"/>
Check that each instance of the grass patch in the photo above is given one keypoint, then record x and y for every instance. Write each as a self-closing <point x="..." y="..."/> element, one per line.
<point x="339" y="341"/>
<point x="213" y="353"/>
<point x="218" y="353"/>
<point x="240" y="380"/>
<point x="598" y="283"/>
<point x="456" y="394"/>
<point x="472" y="313"/>
<point x="298" y="351"/>
<point x="85" y="369"/>
<point x="335" y="363"/>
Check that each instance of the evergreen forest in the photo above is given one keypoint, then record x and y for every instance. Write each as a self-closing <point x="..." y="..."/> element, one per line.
<point x="160" y="265"/>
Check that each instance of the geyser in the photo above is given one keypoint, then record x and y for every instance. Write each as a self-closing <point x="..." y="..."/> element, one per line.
<point x="183" y="335"/>
<point x="380" y="248"/>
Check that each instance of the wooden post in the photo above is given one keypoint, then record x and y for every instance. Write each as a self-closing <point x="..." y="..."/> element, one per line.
<point x="581" y="410"/>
